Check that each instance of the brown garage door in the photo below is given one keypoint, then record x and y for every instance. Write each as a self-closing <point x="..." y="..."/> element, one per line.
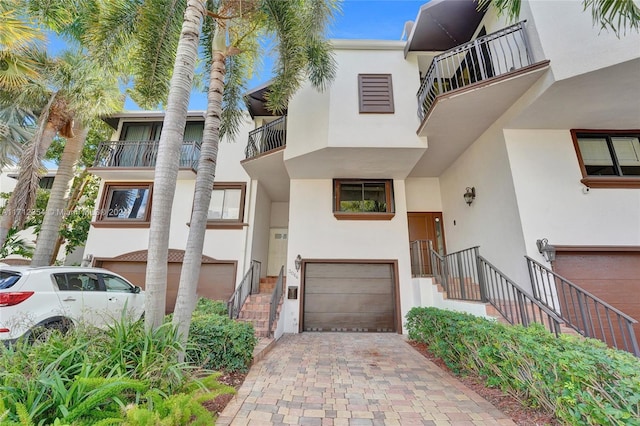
<point x="612" y="276"/>
<point x="217" y="280"/>
<point x="349" y="297"/>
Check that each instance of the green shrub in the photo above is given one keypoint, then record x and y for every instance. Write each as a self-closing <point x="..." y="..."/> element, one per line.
<point x="89" y="376"/>
<point x="219" y="343"/>
<point x="581" y="380"/>
<point x="210" y="307"/>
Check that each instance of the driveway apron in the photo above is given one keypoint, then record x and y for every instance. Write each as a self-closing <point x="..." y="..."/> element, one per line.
<point x="353" y="379"/>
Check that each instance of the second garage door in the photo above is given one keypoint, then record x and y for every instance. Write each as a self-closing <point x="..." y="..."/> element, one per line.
<point x="217" y="280"/>
<point x="349" y="297"/>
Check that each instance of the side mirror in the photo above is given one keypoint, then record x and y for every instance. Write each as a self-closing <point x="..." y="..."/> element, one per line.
<point x="135" y="289"/>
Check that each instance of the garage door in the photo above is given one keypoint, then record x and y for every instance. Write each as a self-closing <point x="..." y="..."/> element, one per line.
<point x="349" y="297"/>
<point x="612" y="276"/>
<point x="217" y="280"/>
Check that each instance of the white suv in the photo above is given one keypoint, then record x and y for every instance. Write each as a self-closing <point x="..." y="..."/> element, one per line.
<point x="59" y="297"/>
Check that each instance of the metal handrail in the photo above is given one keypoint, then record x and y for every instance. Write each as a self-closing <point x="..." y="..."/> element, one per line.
<point x="248" y="285"/>
<point x="582" y="310"/>
<point x="142" y="154"/>
<point x="486" y="57"/>
<point x="459" y="274"/>
<point x="513" y="303"/>
<point x="275" y="299"/>
<point x="267" y="138"/>
<point x="420" y="258"/>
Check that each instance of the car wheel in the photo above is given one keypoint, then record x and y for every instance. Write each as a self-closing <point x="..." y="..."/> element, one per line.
<point x="43" y="332"/>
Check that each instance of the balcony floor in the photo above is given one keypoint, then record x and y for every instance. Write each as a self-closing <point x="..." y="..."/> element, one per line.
<point x="459" y="117"/>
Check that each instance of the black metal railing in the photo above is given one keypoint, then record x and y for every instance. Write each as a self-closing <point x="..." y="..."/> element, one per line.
<point x="513" y="303"/>
<point x="584" y="312"/>
<point x="486" y="57"/>
<point x="420" y="259"/>
<point x="275" y="299"/>
<point x="248" y="285"/>
<point x="142" y="154"/>
<point x="267" y="138"/>
<point x="459" y="275"/>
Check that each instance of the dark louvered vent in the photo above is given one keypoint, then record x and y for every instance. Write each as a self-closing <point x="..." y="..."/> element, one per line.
<point x="376" y="93"/>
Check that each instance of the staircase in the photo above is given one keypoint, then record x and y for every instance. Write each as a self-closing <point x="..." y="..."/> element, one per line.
<point x="257" y="308"/>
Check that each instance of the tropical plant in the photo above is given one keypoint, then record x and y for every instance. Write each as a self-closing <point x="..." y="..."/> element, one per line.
<point x="16" y="244"/>
<point x="615" y="15"/>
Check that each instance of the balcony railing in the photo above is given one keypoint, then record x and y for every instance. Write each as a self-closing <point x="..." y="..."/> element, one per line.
<point x="267" y="138"/>
<point x="486" y="57"/>
<point x="143" y="154"/>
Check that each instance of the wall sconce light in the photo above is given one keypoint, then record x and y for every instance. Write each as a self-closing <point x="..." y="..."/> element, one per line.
<point x="470" y="195"/>
<point x="298" y="262"/>
<point x="546" y="250"/>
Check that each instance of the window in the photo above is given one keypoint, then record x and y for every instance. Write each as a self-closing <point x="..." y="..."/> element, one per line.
<point x="77" y="282"/>
<point x="226" y="209"/>
<point x="608" y="159"/>
<point x="375" y="93"/>
<point x="115" y="284"/>
<point x="367" y="199"/>
<point x="125" y="204"/>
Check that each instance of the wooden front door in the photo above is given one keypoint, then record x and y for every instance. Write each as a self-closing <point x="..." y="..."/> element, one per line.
<point x="423" y="227"/>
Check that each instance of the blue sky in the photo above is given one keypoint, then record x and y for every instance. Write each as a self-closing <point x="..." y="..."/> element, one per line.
<point x="359" y="19"/>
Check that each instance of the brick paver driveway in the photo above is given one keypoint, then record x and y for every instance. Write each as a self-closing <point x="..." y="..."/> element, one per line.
<point x="353" y="379"/>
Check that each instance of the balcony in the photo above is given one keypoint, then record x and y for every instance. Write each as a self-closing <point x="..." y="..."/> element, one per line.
<point x="484" y="58"/>
<point x="467" y="88"/>
<point x="138" y="158"/>
<point x="267" y="138"/>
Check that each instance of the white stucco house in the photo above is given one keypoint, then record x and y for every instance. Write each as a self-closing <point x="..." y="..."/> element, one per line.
<point x="537" y="122"/>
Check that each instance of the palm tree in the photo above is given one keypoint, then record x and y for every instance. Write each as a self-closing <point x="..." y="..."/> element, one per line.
<point x="89" y="91"/>
<point x="615" y="15"/>
<point x="299" y="27"/>
<point x="168" y="163"/>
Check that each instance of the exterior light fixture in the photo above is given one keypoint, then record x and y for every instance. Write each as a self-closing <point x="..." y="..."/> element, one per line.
<point x="470" y="195"/>
<point x="298" y="262"/>
<point x="546" y="250"/>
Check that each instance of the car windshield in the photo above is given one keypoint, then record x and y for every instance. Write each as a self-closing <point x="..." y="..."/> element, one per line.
<point x="8" y="279"/>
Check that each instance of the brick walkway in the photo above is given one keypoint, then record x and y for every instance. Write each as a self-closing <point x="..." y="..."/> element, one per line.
<point x="353" y="379"/>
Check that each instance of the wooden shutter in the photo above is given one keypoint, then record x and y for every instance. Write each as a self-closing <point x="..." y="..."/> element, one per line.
<point x="376" y="93"/>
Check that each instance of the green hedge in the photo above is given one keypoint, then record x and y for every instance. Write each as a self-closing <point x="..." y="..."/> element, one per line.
<point x="216" y="341"/>
<point x="580" y="380"/>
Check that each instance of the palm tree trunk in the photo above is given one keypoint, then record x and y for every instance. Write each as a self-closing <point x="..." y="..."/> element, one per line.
<point x="58" y="198"/>
<point x="23" y="196"/>
<point x="192" y="262"/>
<point x="74" y="199"/>
<point x="168" y="163"/>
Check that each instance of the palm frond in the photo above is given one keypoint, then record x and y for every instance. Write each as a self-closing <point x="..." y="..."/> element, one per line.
<point x="157" y="35"/>
<point x="16" y="128"/>
<point x="510" y="8"/>
<point x="24" y="194"/>
<point x="232" y="98"/>
<point x="616" y="15"/>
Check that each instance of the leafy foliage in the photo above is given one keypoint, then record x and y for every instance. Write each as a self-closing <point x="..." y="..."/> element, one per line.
<point x="123" y="376"/>
<point x="218" y="342"/>
<point x="580" y="380"/>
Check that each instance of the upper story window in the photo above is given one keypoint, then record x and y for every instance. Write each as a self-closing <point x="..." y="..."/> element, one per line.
<point x="125" y="205"/>
<point x="375" y="93"/>
<point x="150" y="131"/>
<point x="608" y="159"/>
<point x="364" y="199"/>
<point x="226" y="209"/>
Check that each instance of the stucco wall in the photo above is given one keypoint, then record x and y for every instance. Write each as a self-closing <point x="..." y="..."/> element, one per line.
<point x="492" y="221"/>
<point x="315" y="233"/>
<point x="564" y="28"/>
<point x="423" y="195"/>
<point x="259" y="227"/>
<point x="279" y="215"/>
<point x="555" y="205"/>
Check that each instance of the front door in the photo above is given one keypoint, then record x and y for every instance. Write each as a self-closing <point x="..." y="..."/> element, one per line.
<point x="424" y="227"/>
<point x="277" y="250"/>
